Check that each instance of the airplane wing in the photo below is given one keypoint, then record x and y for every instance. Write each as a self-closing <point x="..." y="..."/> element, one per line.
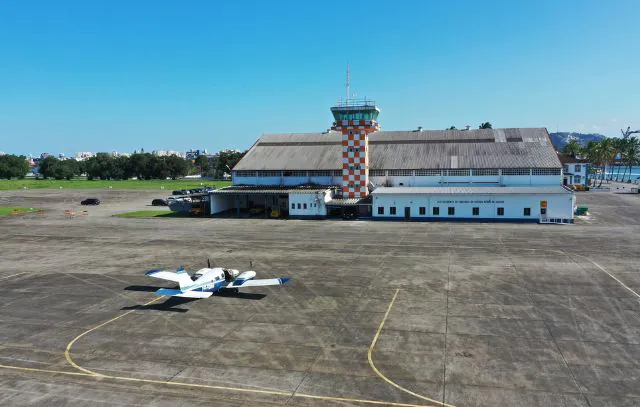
<point x="179" y="276"/>
<point x="257" y="283"/>
<point x="186" y="294"/>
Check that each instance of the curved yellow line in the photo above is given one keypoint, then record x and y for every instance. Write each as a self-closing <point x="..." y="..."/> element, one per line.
<point x="87" y="372"/>
<point x="67" y="351"/>
<point x="380" y="374"/>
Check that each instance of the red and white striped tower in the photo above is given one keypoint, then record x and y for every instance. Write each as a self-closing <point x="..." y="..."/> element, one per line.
<point x="355" y="119"/>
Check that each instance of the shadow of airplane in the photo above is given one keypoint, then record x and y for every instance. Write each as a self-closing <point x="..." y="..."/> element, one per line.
<point x="172" y="302"/>
<point x="143" y="288"/>
<point x="169" y="305"/>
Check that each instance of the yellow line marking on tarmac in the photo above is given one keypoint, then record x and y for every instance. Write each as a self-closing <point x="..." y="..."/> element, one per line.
<point x="207" y="386"/>
<point x="90" y="373"/>
<point x="380" y="374"/>
<point x="67" y="352"/>
<point x="12" y="275"/>
<point x="611" y="275"/>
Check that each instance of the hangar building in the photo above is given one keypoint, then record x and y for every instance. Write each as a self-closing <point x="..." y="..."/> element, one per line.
<point x="488" y="174"/>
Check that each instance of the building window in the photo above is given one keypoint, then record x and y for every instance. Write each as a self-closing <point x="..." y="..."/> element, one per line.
<point x="299" y="206"/>
<point x="577" y="179"/>
<point x="245" y="173"/>
<point x="380" y="210"/>
<point x="293" y="206"/>
<point x="578" y="168"/>
<point x="304" y="206"/>
<point x="500" y="211"/>
<point x="436" y="210"/>
<point x="516" y="171"/>
<point x="527" y="211"/>
<point x="565" y="168"/>
<point x="401" y="173"/>
<point x="423" y="210"/>
<point x="428" y="173"/>
<point x="268" y="173"/>
<point x="376" y="173"/>
<point x="485" y="172"/>
<point x="392" y="210"/>
<point x="320" y="173"/>
<point x="458" y="173"/>
<point x="452" y="211"/>
<point x="546" y="171"/>
<point x="476" y="211"/>
<point x="543" y="211"/>
<point x="295" y="173"/>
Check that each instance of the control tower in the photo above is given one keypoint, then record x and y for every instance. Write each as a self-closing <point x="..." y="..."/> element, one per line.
<point x="355" y="119"/>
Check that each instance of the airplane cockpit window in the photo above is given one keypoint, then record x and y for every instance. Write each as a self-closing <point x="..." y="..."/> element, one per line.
<point x="195" y="277"/>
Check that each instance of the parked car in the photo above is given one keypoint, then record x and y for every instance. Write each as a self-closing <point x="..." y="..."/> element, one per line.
<point x="90" y="201"/>
<point x="159" y="202"/>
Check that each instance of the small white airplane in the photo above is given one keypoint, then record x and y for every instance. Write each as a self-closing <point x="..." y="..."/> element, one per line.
<point x="208" y="280"/>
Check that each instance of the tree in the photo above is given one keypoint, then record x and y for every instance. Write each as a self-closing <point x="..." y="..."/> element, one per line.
<point x="46" y="166"/>
<point x="227" y="159"/>
<point x="13" y="166"/>
<point x="452" y="128"/>
<point x="630" y="155"/>
<point x="203" y="164"/>
<point x="177" y="166"/>
<point x="618" y="145"/>
<point x="485" y="125"/>
<point x="572" y="148"/>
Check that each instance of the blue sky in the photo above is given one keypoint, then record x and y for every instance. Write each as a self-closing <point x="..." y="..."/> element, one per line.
<point x="123" y="75"/>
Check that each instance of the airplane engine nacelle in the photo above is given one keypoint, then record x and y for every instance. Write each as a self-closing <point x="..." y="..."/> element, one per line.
<point x="247" y="275"/>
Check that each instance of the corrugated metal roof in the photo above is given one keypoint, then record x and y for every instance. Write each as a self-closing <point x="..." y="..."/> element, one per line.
<point x="554" y="189"/>
<point x="431" y="149"/>
<point x="242" y="190"/>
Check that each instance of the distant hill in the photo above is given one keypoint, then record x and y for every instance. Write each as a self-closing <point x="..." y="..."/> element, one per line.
<point x="560" y="139"/>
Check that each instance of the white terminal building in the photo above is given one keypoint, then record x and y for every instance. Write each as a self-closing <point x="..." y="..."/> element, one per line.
<point x="357" y="170"/>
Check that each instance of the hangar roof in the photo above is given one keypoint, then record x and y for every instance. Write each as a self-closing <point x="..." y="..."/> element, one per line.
<point x="552" y="189"/>
<point x="429" y="149"/>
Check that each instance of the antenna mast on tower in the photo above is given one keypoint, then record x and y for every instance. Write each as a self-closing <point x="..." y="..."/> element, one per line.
<point x="348" y="83"/>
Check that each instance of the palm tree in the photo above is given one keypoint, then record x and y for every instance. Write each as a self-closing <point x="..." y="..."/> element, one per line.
<point x="591" y="151"/>
<point x="619" y="145"/>
<point x="631" y="155"/>
<point x="607" y="154"/>
<point x="485" y="125"/>
<point x="572" y="148"/>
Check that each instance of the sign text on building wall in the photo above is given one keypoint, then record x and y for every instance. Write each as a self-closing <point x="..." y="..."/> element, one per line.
<point x="487" y="201"/>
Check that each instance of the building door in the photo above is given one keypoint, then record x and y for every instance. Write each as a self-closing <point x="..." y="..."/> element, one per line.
<point x="407" y="213"/>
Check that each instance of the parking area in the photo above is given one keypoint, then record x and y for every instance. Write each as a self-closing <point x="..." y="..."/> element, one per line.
<point x="378" y="313"/>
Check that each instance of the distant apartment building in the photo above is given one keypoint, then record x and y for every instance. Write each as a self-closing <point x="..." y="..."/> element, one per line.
<point x="193" y="154"/>
<point x="167" y="153"/>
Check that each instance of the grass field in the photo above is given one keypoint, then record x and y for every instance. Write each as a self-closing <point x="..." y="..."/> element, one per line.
<point x="151" y="214"/>
<point x="5" y="211"/>
<point x="100" y="184"/>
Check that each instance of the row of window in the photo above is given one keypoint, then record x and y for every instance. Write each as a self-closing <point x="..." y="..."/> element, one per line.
<point x="303" y="206"/>
<point x="315" y="173"/>
<point x="577" y="168"/>
<point x="408" y="173"/>
<point x="451" y="211"/>
<point x="466" y="172"/>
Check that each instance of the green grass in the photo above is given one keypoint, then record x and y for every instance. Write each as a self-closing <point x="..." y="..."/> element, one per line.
<point x="151" y="214"/>
<point x="5" y="211"/>
<point x="100" y="184"/>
